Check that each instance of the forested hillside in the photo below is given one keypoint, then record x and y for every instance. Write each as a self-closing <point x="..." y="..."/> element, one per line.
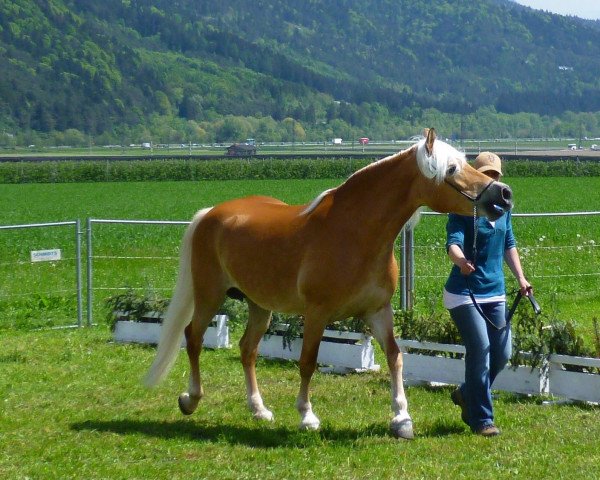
<point x="120" y="70"/>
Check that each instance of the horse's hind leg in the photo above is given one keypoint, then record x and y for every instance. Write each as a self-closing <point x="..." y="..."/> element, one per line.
<point x="382" y="326"/>
<point x="258" y="322"/>
<point x="194" y="336"/>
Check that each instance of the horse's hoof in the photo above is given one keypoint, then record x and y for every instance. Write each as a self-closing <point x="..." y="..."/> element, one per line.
<point x="264" y="415"/>
<point x="310" y="426"/>
<point x="403" y="429"/>
<point x="310" y="422"/>
<point x="187" y="404"/>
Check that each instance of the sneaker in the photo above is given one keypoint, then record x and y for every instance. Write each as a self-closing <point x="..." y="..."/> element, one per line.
<point x="489" y="430"/>
<point x="459" y="401"/>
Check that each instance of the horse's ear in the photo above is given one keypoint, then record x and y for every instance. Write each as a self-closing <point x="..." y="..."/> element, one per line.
<point x="430" y="138"/>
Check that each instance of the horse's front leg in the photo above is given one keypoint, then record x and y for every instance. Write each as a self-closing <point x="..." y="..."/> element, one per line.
<point x="382" y="326"/>
<point x="313" y="333"/>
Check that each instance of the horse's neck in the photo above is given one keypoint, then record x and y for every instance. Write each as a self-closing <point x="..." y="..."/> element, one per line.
<point x="379" y="199"/>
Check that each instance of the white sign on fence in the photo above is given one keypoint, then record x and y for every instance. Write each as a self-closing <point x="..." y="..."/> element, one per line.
<point x="46" y="255"/>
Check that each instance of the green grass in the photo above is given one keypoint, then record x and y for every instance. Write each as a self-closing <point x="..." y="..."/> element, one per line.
<point x="72" y="407"/>
<point x="28" y="296"/>
<point x="560" y="256"/>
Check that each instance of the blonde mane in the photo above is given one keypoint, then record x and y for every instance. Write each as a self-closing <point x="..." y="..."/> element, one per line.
<point x="442" y="157"/>
<point x="434" y="167"/>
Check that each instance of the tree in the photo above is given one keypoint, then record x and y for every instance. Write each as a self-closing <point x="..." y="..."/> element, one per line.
<point x="294" y="130"/>
<point x="74" y="138"/>
<point x="163" y="105"/>
<point x="191" y="107"/>
<point x="232" y="129"/>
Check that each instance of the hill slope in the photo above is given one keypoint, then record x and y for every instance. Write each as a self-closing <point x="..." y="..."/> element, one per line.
<point x="95" y="65"/>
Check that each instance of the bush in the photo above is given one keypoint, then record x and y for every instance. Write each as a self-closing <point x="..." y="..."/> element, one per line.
<point x="537" y="336"/>
<point x="238" y="169"/>
<point x="135" y="305"/>
<point x="433" y="327"/>
<point x="534" y="336"/>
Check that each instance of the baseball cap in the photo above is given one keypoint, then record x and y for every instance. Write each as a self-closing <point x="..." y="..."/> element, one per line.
<point x="487" y="161"/>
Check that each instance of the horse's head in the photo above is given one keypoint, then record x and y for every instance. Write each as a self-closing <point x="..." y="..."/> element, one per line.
<point x="453" y="186"/>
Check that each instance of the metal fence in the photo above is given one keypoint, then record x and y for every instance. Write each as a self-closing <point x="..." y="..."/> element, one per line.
<point x="15" y="261"/>
<point x="423" y="262"/>
<point x="576" y="257"/>
<point x="90" y="252"/>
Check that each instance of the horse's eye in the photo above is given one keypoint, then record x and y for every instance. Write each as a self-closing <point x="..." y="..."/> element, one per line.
<point x="451" y="170"/>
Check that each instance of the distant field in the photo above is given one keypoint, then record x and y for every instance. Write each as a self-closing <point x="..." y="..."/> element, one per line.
<point x="379" y="147"/>
<point x="561" y="255"/>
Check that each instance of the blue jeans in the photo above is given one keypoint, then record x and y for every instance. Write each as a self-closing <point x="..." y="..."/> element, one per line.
<point x="488" y="350"/>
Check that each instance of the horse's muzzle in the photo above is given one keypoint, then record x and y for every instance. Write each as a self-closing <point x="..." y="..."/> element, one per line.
<point x="495" y="201"/>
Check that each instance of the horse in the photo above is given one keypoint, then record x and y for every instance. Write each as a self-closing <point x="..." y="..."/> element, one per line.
<point x="326" y="261"/>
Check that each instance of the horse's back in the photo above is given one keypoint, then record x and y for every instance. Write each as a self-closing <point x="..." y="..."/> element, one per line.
<point x="255" y="212"/>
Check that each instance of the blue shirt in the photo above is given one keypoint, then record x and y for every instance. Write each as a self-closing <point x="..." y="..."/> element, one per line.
<point x="492" y="241"/>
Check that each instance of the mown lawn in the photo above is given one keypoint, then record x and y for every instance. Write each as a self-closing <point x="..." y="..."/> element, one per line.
<point x="72" y="406"/>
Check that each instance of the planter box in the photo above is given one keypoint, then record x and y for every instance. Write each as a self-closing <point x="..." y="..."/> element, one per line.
<point x="148" y="332"/>
<point x="341" y="352"/>
<point x="523" y="379"/>
<point x="574" y="385"/>
<point x="421" y="368"/>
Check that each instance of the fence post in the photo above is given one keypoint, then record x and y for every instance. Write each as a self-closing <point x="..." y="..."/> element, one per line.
<point x="89" y="271"/>
<point x="403" y="269"/>
<point x="78" y="233"/>
<point x="409" y="244"/>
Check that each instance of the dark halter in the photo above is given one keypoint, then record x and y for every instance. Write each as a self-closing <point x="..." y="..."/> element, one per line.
<point x="465" y="194"/>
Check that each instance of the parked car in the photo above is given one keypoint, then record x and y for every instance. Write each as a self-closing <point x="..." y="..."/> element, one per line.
<point x="594" y="147"/>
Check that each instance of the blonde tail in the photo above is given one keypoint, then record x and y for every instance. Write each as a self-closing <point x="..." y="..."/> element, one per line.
<point x="179" y="313"/>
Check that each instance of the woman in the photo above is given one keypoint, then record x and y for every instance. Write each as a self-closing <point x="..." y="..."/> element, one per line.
<point x="475" y="297"/>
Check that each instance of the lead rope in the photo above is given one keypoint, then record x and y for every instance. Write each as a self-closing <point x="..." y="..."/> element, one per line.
<point x="474" y="232"/>
<point x="513" y="308"/>
<point x="475" y="304"/>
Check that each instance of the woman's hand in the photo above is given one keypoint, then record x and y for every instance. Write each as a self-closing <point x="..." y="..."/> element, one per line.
<point x="525" y="287"/>
<point x="466" y="266"/>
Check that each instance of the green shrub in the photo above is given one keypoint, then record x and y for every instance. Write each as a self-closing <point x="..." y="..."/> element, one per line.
<point x="135" y="305"/>
<point x="537" y="336"/>
<point x="239" y="169"/>
<point x="534" y="336"/>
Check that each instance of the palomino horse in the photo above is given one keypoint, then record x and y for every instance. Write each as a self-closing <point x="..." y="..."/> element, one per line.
<point x="329" y="260"/>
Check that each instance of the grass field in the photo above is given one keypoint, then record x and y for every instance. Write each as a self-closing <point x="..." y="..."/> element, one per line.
<point x="73" y="407"/>
<point x="560" y="255"/>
